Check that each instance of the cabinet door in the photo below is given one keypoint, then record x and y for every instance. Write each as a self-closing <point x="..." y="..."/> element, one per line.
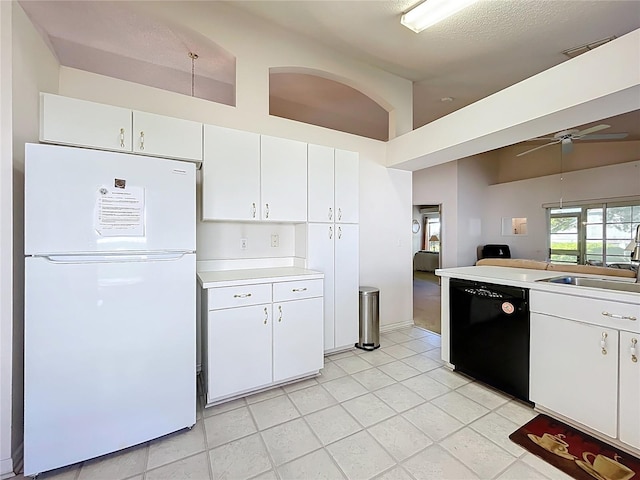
<point x="570" y="374"/>
<point x="630" y="389"/>
<point x="239" y="350"/>
<point x="167" y="137"/>
<point x="346" y="285"/>
<point x="283" y="177"/>
<point x="346" y="184"/>
<point x="297" y="338"/>
<point x="70" y="121"/>
<point x="230" y="174"/>
<point x="320" y="257"/>
<point x="321" y="184"/>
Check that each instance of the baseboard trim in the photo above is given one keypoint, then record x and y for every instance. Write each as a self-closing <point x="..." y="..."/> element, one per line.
<point x="396" y="326"/>
<point x="6" y="468"/>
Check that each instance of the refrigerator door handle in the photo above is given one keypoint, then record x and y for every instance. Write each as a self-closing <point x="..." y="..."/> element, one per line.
<point x="115" y="258"/>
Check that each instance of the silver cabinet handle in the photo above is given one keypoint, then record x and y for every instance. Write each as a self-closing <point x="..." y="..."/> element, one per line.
<point x="633" y="350"/>
<point x="299" y="289"/>
<point x="603" y="343"/>
<point x="339" y="214"/>
<point x="621" y="317"/>
<point x="141" y="140"/>
<point x="253" y="210"/>
<point x="330" y="213"/>
<point x="280" y="310"/>
<point x="242" y="295"/>
<point x="266" y="210"/>
<point x="339" y="232"/>
<point x="330" y="233"/>
<point x="266" y="315"/>
<point x="122" y="138"/>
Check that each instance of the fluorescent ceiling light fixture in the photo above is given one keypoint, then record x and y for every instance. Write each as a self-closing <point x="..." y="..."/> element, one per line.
<point x="430" y="12"/>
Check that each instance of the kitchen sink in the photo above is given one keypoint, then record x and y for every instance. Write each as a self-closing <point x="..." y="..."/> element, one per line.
<point x="595" y="283"/>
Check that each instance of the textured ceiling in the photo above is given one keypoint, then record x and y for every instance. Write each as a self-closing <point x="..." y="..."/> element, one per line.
<point x="483" y="49"/>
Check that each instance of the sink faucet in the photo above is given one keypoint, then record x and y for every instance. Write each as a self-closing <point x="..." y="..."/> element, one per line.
<point x="635" y="255"/>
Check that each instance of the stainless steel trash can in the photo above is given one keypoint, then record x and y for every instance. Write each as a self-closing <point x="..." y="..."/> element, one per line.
<point x="369" y="318"/>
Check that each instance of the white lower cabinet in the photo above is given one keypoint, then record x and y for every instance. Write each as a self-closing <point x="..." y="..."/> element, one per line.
<point x="584" y="363"/>
<point x="572" y="374"/>
<point x="333" y="249"/>
<point x="257" y="335"/>
<point x="630" y="389"/>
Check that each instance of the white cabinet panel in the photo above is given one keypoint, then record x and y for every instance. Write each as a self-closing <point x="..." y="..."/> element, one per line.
<point x="346" y="186"/>
<point x="166" y="136"/>
<point x="239" y="296"/>
<point x="347" y="271"/>
<point x="321" y="184"/>
<point x="297" y="338"/>
<point x="230" y="174"/>
<point x="570" y="374"/>
<point x="239" y="350"/>
<point x="297" y="290"/>
<point x="283" y="179"/>
<point x="70" y="121"/>
<point x="630" y="389"/>
<point x="320" y="257"/>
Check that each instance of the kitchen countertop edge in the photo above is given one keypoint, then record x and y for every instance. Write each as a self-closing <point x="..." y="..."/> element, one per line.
<point x="253" y="276"/>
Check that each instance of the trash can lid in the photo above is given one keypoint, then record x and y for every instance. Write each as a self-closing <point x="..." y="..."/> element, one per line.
<point x="369" y="290"/>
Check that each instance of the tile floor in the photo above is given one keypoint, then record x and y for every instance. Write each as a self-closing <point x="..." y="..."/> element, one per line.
<point x="392" y="414"/>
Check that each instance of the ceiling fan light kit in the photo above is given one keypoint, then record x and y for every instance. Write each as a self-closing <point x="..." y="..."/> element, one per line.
<point x="430" y="12"/>
<point x="566" y="138"/>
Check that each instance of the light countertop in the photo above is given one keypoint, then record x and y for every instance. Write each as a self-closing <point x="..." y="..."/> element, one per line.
<point x="228" y="278"/>
<point x="528" y="278"/>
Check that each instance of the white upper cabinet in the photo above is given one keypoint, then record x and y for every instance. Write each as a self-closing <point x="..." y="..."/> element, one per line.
<point x="333" y="185"/>
<point x="230" y="174"/>
<point x="283" y="178"/>
<point x="346" y="186"/>
<point x="170" y="137"/>
<point x="69" y="121"/>
<point x="321" y="184"/>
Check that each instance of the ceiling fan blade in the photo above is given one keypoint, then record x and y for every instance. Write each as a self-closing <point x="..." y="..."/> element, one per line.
<point x="587" y="131"/>
<point x="538" y="148"/>
<point x="605" y="136"/>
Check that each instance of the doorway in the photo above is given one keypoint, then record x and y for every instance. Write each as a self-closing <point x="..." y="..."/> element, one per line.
<point x="427" y="246"/>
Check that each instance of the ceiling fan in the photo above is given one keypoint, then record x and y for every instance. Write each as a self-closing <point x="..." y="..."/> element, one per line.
<point x="566" y="138"/>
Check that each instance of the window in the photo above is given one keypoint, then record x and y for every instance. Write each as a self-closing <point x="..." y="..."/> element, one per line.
<point x="432" y="233"/>
<point x="597" y="234"/>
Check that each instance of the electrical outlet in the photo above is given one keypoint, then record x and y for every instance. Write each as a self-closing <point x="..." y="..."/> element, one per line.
<point x="243" y="244"/>
<point x="275" y="240"/>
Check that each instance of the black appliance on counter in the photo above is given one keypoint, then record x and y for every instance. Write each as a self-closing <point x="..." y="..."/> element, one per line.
<point x="496" y="251"/>
<point x="489" y="329"/>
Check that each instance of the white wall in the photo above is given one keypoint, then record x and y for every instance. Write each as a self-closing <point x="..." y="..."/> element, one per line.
<point x="439" y="185"/>
<point x="385" y="195"/>
<point x="34" y="69"/>
<point x="6" y="275"/>
<point x="525" y="198"/>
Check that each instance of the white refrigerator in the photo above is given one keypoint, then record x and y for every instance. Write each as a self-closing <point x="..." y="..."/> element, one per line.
<point x="109" y="359"/>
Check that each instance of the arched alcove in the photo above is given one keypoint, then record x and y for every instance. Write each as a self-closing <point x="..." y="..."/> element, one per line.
<point x="119" y="40"/>
<point x="311" y="97"/>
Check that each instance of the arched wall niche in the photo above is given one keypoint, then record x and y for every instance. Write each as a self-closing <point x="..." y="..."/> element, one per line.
<point x="321" y="98"/>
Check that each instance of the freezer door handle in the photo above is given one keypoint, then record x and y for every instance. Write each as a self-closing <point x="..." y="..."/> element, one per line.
<point x="115" y="258"/>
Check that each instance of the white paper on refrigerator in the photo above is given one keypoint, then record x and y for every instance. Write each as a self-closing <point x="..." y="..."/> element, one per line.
<point x="120" y="211"/>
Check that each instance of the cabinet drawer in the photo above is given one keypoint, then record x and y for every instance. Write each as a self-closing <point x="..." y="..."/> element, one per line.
<point x="284" y="291"/>
<point x="240" y="296"/>
<point x="623" y="316"/>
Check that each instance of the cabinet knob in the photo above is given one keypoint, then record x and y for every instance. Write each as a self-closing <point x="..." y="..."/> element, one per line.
<point x="266" y="315"/>
<point x="266" y="210"/>
<point x="339" y="214"/>
<point x="280" y="310"/>
<point x="242" y="295"/>
<point x="141" y="140"/>
<point x="603" y="343"/>
<point x="253" y="210"/>
<point x="330" y="213"/>
<point x="633" y="350"/>
<point x="339" y="232"/>
<point x="330" y="233"/>
<point x="122" y="138"/>
<point x="621" y="317"/>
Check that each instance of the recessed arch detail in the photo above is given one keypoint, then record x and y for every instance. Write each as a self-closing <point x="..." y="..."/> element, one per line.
<point x="321" y="98"/>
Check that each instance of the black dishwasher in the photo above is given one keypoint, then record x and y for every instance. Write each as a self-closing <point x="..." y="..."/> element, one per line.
<point x="489" y="328"/>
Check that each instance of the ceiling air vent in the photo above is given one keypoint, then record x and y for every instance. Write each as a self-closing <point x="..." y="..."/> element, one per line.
<point x="575" y="51"/>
